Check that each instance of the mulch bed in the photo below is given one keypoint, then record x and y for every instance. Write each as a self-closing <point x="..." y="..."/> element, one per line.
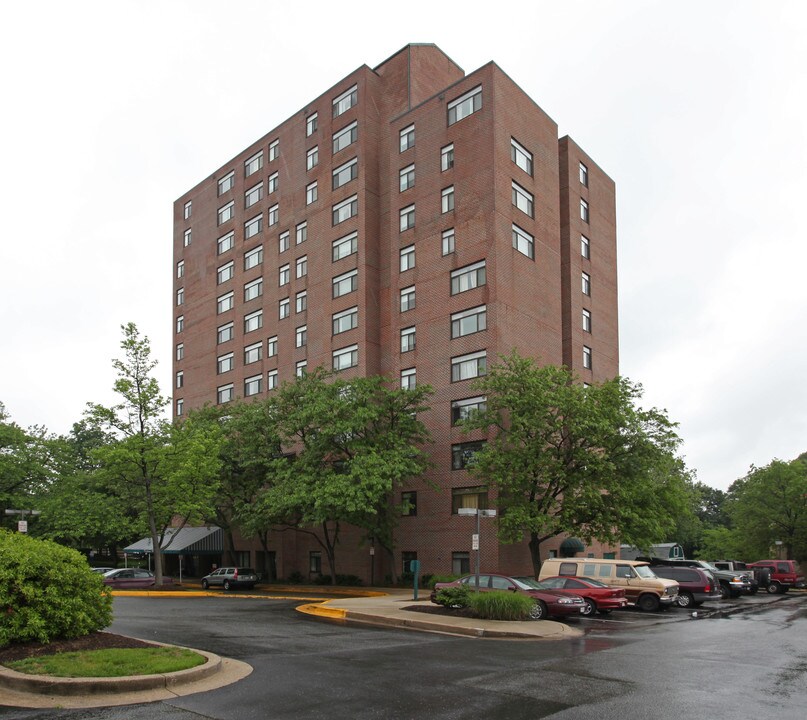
<point x="433" y="609"/>
<point x="93" y="641"/>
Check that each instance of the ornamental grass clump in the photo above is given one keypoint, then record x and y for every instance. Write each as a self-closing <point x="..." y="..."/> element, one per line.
<point x="500" y="605"/>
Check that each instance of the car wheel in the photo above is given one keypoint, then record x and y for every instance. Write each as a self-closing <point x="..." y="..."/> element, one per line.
<point x="205" y="584"/>
<point x="725" y="591"/>
<point x="538" y="611"/>
<point x="648" y="603"/>
<point x="226" y="584"/>
<point x="591" y="607"/>
<point x="774" y="587"/>
<point x="685" y="599"/>
<point x="753" y="591"/>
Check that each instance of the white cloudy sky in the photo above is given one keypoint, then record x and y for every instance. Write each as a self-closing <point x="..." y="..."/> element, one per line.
<point x="697" y="109"/>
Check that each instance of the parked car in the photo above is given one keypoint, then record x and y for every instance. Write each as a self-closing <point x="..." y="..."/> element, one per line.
<point x="732" y="583"/>
<point x="132" y="579"/>
<point x="547" y="602"/>
<point x="231" y="577"/>
<point x="762" y="575"/>
<point x="598" y="596"/>
<point x="695" y="585"/>
<point x="784" y="574"/>
<point x="102" y="570"/>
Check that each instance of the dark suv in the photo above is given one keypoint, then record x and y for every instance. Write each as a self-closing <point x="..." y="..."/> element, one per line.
<point x="732" y="584"/>
<point x="695" y="585"/>
<point x="231" y="577"/>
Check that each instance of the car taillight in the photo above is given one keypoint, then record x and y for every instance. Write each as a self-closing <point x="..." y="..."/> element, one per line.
<point x="235" y="574"/>
<point x="708" y="588"/>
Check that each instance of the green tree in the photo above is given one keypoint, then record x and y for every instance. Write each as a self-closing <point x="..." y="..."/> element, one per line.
<point x="564" y="458"/>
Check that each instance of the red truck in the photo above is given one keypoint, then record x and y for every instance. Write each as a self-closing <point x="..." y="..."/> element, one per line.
<point x="784" y="574"/>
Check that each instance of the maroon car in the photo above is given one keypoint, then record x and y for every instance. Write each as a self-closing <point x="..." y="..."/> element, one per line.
<point x="598" y="596"/>
<point x="547" y="602"/>
<point x="132" y="579"/>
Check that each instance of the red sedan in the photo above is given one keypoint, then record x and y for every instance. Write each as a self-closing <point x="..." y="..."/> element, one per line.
<point x="598" y="596"/>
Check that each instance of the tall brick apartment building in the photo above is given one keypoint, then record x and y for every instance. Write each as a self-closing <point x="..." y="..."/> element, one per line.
<point x="411" y="221"/>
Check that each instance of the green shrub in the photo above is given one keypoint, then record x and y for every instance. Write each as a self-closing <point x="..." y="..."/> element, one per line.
<point x="433" y="579"/>
<point x="500" y="605"/>
<point x="295" y="577"/>
<point x="47" y="592"/>
<point x="456" y="596"/>
<point x="351" y="580"/>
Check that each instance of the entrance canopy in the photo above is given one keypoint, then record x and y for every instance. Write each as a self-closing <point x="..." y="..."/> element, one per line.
<point x="183" y="541"/>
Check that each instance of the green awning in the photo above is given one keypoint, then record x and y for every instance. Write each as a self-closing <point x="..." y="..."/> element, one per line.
<point x="572" y="545"/>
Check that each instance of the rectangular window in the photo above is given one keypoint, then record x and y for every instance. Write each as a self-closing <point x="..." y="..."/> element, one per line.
<point x="225" y="243"/>
<point x="409" y="508"/>
<point x="188" y="209"/>
<point x="253" y="321"/>
<point x="226" y="183"/>
<point x="311" y="124"/>
<point x="301" y="367"/>
<point x="253" y="289"/>
<point x="408" y="379"/>
<point x="272" y="183"/>
<point x="586" y="284"/>
<point x="180" y="323"/>
<point x="469" y="366"/>
<point x="468" y="277"/>
<point x="345" y="320"/>
<point x="407" y="258"/>
<point x="346" y="209"/>
<point x="407" y="339"/>
<point x="521" y="156"/>
<point x="460" y="563"/>
<point x="253" y="227"/>
<point x="312" y="158"/>
<point x="253" y="164"/>
<point x="448" y="241"/>
<point x="181" y="296"/>
<point x="586" y="320"/>
<point x="346" y="358"/>
<point x="252" y="385"/>
<point x="447" y="199"/>
<point x="224" y="333"/>
<point x="587" y="357"/>
<point x="271" y="380"/>
<point x="465" y="105"/>
<point x="583" y="175"/>
<point x="469" y="322"/>
<point x="583" y="210"/>
<point x="180" y="351"/>
<point x="284" y="308"/>
<point x="408" y="299"/>
<point x="273" y="215"/>
<point x="283" y="242"/>
<point x="447" y="157"/>
<point x="345" y="246"/>
<point x="407" y="137"/>
<point x="311" y="193"/>
<point x="466" y="409"/>
<point x="345" y="137"/>
<point x="225" y="272"/>
<point x="253" y="353"/>
<point x="226" y="213"/>
<point x="224" y="363"/>
<point x="302" y="266"/>
<point x="468" y="497"/>
<point x="406" y="177"/>
<point x="523" y="242"/>
<point x="407" y="215"/>
<point x="522" y="199"/>
<point x="224" y="393"/>
<point x="271" y="346"/>
<point x="345" y="173"/>
<point x="301" y="233"/>
<point x="180" y="406"/>
<point x="345" y="101"/>
<point x="181" y="269"/>
<point x="344" y="284"/>
<point x="315" y="562"/>
<point x="301" y="301"/>
<point x="585" y="247"/>
<point x="284" y="275"/>
<point x="187" y="237"/>
<point x="274" y="150"/>
<point x="462" y="455"/>
<point x="253" y="258"/>
<point x="301" y="336"/>
<point x="253" y="195"/>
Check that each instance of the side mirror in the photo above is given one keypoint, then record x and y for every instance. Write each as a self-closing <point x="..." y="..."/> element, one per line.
<point x="512" y="588"/>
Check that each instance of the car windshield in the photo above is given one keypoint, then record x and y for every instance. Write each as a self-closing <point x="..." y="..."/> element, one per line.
<point x="708" y="565"/>
<point x="643" y="571"/>
<point x="110" y="573"/>
<point x="528" y="583"/>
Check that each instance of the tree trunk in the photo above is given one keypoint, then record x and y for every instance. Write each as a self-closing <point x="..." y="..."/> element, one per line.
<point x="155" y="539"/>
<point x="535" y="553"/>
<point x="230" y="543"/>
<point x="330" y="549"/>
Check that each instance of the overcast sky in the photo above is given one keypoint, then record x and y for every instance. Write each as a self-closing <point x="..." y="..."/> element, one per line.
<point x="696" y="110"/>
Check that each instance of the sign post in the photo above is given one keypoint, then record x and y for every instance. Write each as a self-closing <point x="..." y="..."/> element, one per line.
<point x="479" y="512"/>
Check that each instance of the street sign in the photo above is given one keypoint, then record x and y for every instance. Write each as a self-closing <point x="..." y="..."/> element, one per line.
<point x="474" y="542"/>
<point x="22" y="526"/>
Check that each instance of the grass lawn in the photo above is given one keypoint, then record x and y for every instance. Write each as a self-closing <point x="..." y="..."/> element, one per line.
<point x="112" y="662"/>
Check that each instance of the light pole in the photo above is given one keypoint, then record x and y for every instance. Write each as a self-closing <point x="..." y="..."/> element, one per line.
<point x="479" y="512"/>
<point x="22" y="525"/>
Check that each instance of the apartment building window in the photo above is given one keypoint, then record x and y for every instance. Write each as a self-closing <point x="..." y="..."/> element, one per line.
<point x="252" y="385"/>
<point x="253" y="258"/>
<point x="271" y="380"/>
<point x="272" y="183"/>
<point x="345" y="173"/>
<point x="465" y="409"/>
<point x="188" y="209"/>
<point x="301" y="301"/>
<point x="253" y="195"/>
<point x="274" y="150"/>
<point x="407" y="138"/>
<point x="407" y="216"/>
<point x="468" y="497"/>
<point x="181" y="296"/>
<point x="180" y="406"/>
<point x="460" y="563"/>
<point x="225" y="272"/>
<point x="284" y="308"/>
<point x="187" y="237"/>
<point x="583" y="175"/>
<point x="225" y="243"/>
<point x="408" y="379"/>
<point x="253" y="289"/>
<point x="469" y="321"/>
<point x="408" y="299"/>
<point x="345" y="320"/>
<point x="224" y="333"/>
<point x="302" y="266"/>
<point x="521" y="156"/>
<point x="226" y="183"/>
<point x="253" y="353"/>
<point x="312" y="158"/>
<point x="345" y="101"/>
<point x="311" y="193"/>
<point x="462" y="455"/>
<point x="583" y="210"/>
<point x="283" y="242"/>
<point x="586" y="284"/>
<point x="301" y="336"/>
<point x="271" y="346"/>
<point x="447" y="157"/>
<point x="407" y="339"/>
<point x="180" y="323"/>
<point x="253" y="227"/>
<point x="315" y="562"/>
<point x="346" y="358"/>
<point x="409" y="507"/>
<point x="225" y="393"/>
<point x="253" y="321"/>
<point x="346" y="283"/>
<point x="586" y="320"/>
<point x="301" y="367"/>
<point x="587" y="357"/>
<point x="253" y="164"/>
<point x="226" y="213"/>
<point x="465" y="105"/>
<point x="585" y="247"/>
<point x="468" y="277"/>
<point x="224" y="302"/>
<point x="465" y="367"/>
<point x="181" y="269"/>
<point x="407" y="177"/>
<point x="346" y="209"/>
<point x="345" y="137"/>
<point x="448" y="241"/>
<point x="180" y="351"/>
<point x="447" y="199"/>
<point x="284" y="275"/>
<point x="523" y="199"/>
<point x="407" y="258"/>
<point x="311" y="124"/>
<point x="345" y="246"/>
<point x="523" y="242"/>
<point x="225" y="363"/>
<point x="273" y="215"/>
